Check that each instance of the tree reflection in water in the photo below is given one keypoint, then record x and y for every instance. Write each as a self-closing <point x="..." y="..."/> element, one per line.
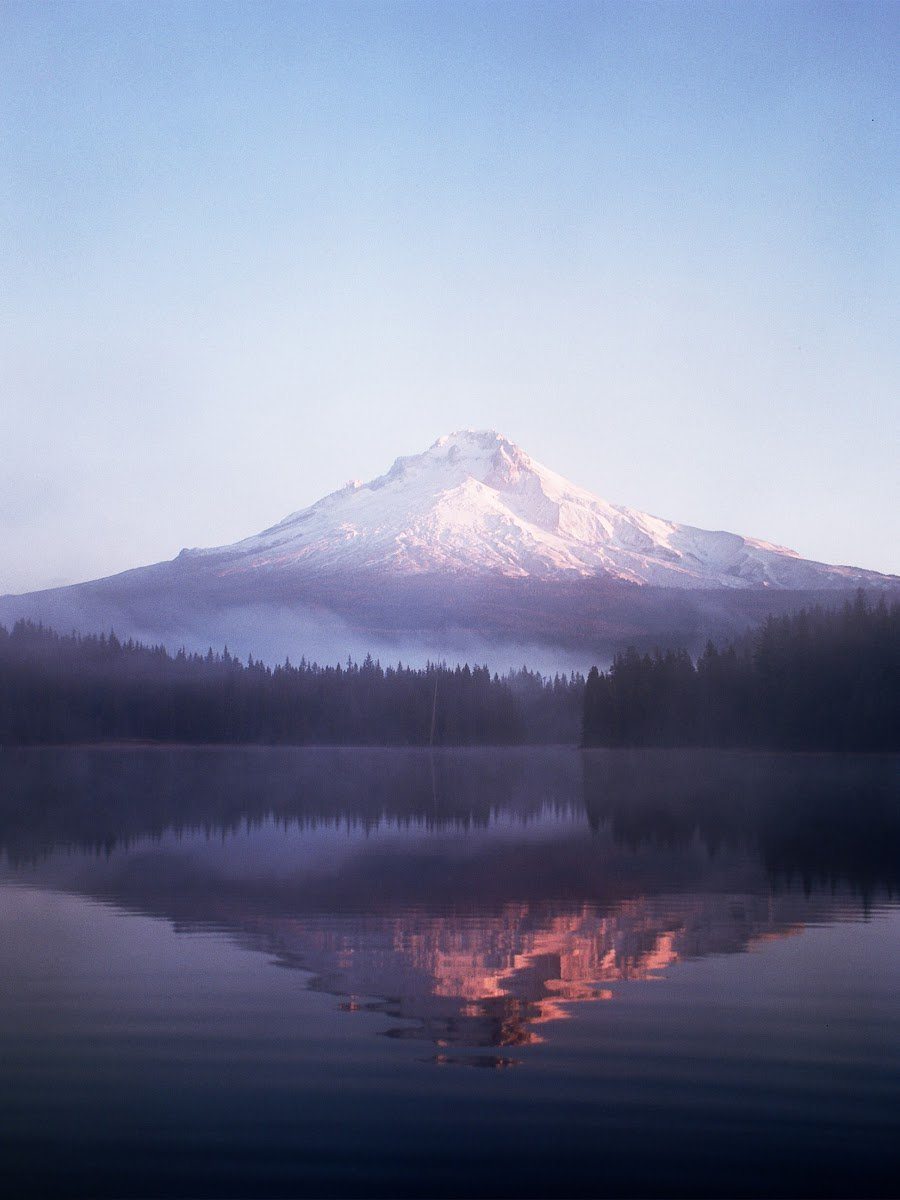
<point x="473" y="897"/>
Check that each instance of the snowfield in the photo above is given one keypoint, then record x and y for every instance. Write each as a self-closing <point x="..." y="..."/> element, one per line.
<point x="476" y="504"/>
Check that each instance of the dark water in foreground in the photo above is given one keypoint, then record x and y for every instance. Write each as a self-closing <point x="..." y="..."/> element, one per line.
<point x="270" y="973"/>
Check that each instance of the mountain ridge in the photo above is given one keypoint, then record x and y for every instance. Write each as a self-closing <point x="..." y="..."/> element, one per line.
<point x="475" y="502"/>
<point x="470" y="551"/>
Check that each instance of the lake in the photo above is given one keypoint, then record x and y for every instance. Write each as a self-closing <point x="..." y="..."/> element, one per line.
<point x="280" y="972"/>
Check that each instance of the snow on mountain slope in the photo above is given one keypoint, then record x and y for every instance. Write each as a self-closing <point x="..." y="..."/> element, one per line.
<point x="475" y="503"/>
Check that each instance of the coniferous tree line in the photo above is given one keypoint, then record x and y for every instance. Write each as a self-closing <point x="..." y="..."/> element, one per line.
<point x="816" y="680"/>
<point x="69" y="688"/>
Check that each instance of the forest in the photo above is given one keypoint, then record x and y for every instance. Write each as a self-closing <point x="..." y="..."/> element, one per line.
<point x="815" y="680"/>
<point x="68" y="688"/>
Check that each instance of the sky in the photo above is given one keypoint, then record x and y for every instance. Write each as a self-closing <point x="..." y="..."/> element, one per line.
<point x="250" y="251"/>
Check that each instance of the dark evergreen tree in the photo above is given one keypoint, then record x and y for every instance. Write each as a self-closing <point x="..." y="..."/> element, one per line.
<point x="816" y="680"/>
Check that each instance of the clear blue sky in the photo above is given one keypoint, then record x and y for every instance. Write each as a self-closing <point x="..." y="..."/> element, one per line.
<point x="248" y="251"/>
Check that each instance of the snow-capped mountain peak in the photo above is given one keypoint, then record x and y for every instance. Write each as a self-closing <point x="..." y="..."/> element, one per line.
<point x="467" y="453"/>
<point x="476" y="503"/>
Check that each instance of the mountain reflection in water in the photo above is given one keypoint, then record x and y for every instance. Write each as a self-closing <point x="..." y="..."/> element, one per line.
<point x="494" y="981"/>
<point x="474" y="897"/>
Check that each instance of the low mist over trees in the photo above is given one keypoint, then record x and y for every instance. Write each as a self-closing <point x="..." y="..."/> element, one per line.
<point x="817" y="680"/>
<point x="57" y="688"/>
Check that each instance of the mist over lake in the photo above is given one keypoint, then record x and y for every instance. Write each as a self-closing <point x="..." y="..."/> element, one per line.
<point x="281" y="966"/>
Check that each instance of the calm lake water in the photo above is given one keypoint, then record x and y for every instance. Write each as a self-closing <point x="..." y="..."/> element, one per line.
<point x="272" y="972"/>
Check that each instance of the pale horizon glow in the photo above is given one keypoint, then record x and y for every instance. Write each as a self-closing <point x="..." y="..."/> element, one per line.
<point x="252" y="251"/>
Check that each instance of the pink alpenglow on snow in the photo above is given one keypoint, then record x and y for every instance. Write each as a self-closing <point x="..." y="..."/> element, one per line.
<point x="476" y="503"/>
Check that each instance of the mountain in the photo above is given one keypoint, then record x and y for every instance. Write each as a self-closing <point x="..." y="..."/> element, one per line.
<point x="475" y="503"/>
<point x="471" y="549"/>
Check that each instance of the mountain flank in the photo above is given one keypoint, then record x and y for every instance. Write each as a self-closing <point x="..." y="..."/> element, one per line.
<point x="470" y="550"/>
